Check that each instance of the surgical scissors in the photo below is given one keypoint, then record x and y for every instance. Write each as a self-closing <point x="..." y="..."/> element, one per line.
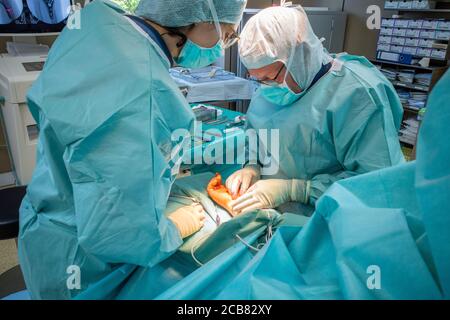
<point x="194" y="200"/>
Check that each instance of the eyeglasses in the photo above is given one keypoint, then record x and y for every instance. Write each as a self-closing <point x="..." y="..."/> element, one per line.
<point x="230" y="40"/>
<point x="271" y="82"/>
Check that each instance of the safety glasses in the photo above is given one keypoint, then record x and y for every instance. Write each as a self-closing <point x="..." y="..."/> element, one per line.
<point x="271" y="82"/>
<point x="230" y="40"/>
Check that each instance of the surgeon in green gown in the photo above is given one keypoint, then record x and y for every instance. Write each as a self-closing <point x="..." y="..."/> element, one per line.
<point x="106" y="107"/>
<point x="380" y="235"/>
<point x="337" y="116"/>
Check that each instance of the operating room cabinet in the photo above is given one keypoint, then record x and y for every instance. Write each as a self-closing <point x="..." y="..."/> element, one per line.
<point x="17" y="74"/>
<point x="329" y="25"/>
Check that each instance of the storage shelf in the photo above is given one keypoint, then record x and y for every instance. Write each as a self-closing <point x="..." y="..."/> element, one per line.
<point x="414" y="37"/>
<point x="406" y="142"/>
<point x="411" y="110"/>
<point x="421" y="10"/>
<point x="410" y="86"/>
<point x="438" y="66"/>
<point x="408" y="65"/>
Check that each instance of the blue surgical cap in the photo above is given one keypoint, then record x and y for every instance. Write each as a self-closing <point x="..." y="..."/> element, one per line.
<point x="180" y="13"/>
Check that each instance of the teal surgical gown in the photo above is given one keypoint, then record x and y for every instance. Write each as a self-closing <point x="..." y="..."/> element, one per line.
<point x="380" y="235"/>
<point x="344" y="125"/>
<point x="106" y="107"/>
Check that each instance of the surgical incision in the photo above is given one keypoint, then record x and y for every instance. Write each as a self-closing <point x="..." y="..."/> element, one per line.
<point x="220" y="194"/>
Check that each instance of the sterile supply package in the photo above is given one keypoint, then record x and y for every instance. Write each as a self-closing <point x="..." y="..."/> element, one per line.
<point x="206" y="113"/>
<point x="200" y="75"/>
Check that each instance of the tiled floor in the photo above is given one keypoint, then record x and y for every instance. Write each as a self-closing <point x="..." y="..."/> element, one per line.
<point x="8" y="255"/>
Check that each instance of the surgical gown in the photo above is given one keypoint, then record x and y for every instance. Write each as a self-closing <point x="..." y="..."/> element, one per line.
<point x="381" y="235"/>
<point x="344" y="125"/>
<point x="106" y="107"/>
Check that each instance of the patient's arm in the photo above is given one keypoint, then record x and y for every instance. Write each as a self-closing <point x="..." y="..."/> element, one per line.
<point x="220" y="194"/>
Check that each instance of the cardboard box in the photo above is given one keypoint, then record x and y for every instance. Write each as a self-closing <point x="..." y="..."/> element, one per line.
<point x="444" y="25"/>
<point x="424" y="52"/>
<point x="443" y="35"/>
<point x="412" y="33"/>
<point x="383" y="47"/>
<point x="426" y="43"/>
<point x="401" y="23"/>
<point x="410" y="50"/>
<point x="398" y="32"/>
<point x="405" y="4"/>
<point x="439" y="54"/>
<point x="411" y="42"/>
<point x="386" y="31"/>
<point x="388" y="22"/>
<point x="398" y="41"/>
<point x="423" y="4"/>
<point x="385" y="40"/>
<point x="417" y="24"/>
<point x="430" y="24"/>
<point x="397" y="49"/>
<point x="390" y="4"/>
<point x="428" y="34"/>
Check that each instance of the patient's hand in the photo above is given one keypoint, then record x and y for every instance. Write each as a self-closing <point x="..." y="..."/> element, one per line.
<point x="220" y="194"/>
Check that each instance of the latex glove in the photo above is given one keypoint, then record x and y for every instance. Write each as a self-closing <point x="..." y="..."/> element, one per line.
<point x="271" y="193"/>
<point x="188" y="219"/>
<point x="239" y="182"/>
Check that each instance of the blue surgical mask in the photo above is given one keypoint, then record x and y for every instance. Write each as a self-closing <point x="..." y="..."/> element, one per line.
<point x="194" y="56"/>
<point x="280" y="95"/>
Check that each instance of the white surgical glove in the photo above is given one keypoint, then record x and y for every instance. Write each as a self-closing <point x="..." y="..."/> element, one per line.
<point x="188" y="219"/>
<point x="239" y="182"/>
<point x="269" y="194"/>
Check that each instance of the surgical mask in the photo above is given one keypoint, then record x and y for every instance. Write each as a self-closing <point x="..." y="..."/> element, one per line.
<point x="194" y="56"/>
<point x="280" y="94"/>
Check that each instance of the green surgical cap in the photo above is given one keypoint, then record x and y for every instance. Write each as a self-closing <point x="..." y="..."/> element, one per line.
<point x="180" y="13"/>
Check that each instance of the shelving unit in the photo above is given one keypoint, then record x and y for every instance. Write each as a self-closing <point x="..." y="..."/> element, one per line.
<point x="410" y="36"/>
<point x="418" y="5"/>
<point x="422" y="10"/>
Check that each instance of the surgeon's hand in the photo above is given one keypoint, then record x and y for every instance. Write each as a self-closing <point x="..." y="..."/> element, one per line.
<point x="239" y="182"/>
<point x="269" y="194"/>
<point x="188" y="219"/>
